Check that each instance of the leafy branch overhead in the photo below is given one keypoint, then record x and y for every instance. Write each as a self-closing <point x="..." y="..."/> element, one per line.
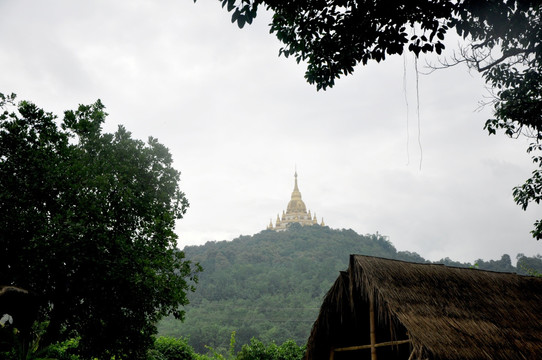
<point x="503" y="40"/>
<point x="333" y="36"/>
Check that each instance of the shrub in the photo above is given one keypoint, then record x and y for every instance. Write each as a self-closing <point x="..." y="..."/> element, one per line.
<point x="257" y="350"/>
<point x="168" y="348"/>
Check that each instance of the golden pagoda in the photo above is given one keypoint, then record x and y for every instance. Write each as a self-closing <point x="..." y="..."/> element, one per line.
<point x="296" y="212"/>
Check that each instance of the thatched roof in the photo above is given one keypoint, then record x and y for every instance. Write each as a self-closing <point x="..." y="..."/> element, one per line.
<point x="446" y="312"/>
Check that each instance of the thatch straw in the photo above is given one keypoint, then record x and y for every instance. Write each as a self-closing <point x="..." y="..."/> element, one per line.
<point x="447" y="313"/>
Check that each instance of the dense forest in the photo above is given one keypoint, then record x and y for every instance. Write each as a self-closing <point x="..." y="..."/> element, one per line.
<point x="270" y="285"/>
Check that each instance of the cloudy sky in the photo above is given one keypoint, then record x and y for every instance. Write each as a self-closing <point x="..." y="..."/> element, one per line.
<point x="238" y="120"/>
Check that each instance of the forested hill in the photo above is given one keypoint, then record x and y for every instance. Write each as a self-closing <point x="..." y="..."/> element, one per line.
<point x="270" y="285"/>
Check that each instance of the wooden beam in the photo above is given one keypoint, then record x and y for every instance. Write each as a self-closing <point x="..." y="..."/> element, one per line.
<point x="361" y="347"/>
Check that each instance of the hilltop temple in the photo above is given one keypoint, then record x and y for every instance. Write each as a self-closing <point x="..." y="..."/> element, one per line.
<point x="296" y="212"/>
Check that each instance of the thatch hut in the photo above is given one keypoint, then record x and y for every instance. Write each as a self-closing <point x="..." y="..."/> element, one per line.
<point x="389" y="309"/>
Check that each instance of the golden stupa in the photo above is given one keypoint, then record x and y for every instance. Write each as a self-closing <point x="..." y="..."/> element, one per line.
<point x="296" y="212"/>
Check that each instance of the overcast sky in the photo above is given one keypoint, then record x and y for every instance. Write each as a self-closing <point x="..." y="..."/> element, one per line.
<point x="238" y="120"/>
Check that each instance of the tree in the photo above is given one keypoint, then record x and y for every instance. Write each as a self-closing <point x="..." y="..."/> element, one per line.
<point x="504" y="264"/>
<point x="529" y="265"/>
<point x="503" y="37"/>
<point x="87" y="224"/>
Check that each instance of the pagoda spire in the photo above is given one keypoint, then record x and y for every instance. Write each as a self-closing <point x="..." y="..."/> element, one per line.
<point x="296" y="212"/>
<point x="296" y="194"/>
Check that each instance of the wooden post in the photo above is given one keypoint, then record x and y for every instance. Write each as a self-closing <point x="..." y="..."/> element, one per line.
<point x="372" y="326"/>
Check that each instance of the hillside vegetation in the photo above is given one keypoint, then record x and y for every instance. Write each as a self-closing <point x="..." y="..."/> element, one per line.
<point x="270" y="285"/>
